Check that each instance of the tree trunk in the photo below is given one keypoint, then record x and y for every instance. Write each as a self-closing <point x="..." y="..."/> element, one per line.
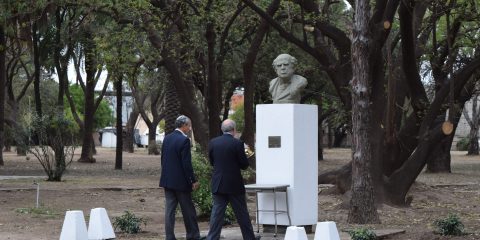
<point x="152" y="143"/>
<point x="362" y="204"/>
<point x="128" y="143"/>
<point x="213" y="83"/>
<point x="473" y="141"/>
<point x="439" y="160"/>
<point x="184" y="89"/>
<point x="473" y="121"/>
<point x="3" y="76"/>
<point x="320" y="128"/>
<point x="248" y="76"/>
<point x="90" y="69"/>
<point x="119" y="145"/>
<point x="36" y="62"/>
<point x="172" y="106"/>
<point x="189" y="106"/>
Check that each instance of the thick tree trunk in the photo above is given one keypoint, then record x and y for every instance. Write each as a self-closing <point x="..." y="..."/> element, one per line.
<point x="152" y="143"/>
<point x="172" y="106"/>
<point x="119" y="145"/>
<point x="473" y="141"/>
<point x="128" y="143"/>
<point x="214" y="84"/>
<point x="473" y="121"/>
<point x="362" y="204"/>
<point x="3" y="76"/>
<point x="439" y="160"/>
<point x="90" y="69"/>
<point x="184" y="92"/>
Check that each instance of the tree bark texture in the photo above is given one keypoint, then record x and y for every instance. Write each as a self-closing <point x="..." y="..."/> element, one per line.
<point x="362" y="204"/>
<point x="90" y="69"/>
<point x="214" y="84"/>
<point x="119" y="144"/>
<point x="3" y="44"/>
<point x="36" y="63"/>
<point x="128" y="143"/>
<point x="473" y="121"/>
<point x="172" y="106"/>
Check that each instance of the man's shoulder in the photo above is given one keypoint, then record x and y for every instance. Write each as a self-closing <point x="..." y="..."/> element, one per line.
<point x="175" y="135"/>
<point x="224" y="138"/>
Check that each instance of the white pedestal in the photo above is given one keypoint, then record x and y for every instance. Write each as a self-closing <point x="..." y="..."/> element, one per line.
<point x="287" y="153"/>
<point x="296" y="233"/>
<point x="99" y="226"/>
<point x="326" y="231"/>
<point x="74" y="226"/>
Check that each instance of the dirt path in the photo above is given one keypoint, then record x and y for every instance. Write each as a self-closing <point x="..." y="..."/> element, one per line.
<point x="134" y="188"/>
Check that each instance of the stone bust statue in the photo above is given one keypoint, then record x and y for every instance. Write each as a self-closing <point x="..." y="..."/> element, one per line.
<point x="287" y="87"/>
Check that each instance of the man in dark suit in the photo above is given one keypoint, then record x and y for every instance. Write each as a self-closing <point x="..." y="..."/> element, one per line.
<point x="227" y="156"/>
<point x="178" y="179"/>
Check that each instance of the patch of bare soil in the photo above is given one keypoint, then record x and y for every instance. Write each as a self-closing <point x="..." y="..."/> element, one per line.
<point x="135" y="188"/>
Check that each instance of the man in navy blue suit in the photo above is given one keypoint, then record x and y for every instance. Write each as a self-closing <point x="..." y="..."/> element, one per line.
<point x="178" y="179"/>
<point x="227" y="156"/>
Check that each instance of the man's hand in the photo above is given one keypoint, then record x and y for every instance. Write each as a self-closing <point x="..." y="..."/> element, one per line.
<point x="195" y="186"/>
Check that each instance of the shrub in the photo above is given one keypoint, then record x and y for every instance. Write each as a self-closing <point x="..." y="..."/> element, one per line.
<point x="462" y="144"/>
<point x="202" y="197"/>
<point x="56" y="146"/>
<point x="362" y="234"/>
<point x="128" y="223"/>
<point x="449" y="226"/>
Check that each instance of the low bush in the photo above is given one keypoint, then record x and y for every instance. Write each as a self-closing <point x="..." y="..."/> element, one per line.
<point x="362" y="234"/>
<point x="202" y="197"/>
<point x="129" y="223"/>
<point x="449" y="226"/>
<point x="462" y="144"/>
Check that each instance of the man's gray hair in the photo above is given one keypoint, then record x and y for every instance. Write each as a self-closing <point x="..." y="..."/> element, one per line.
<point x="291" y="59"/>
<point x="181" y="121"/>
<point x="228" y="125"/>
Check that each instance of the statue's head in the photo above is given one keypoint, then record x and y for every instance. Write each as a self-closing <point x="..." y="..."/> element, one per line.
<point x="284" y="65"/>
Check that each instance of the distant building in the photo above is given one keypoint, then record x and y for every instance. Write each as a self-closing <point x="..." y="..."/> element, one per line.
<point x="127" y="105"/>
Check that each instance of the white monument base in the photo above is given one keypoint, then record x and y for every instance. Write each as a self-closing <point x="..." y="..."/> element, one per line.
<point x="287" y="153"/>
<point x="296" y="233"/>
<point x="99" y="226"/>
<point x="326" y="231"/>
<point x="74" y="226"/>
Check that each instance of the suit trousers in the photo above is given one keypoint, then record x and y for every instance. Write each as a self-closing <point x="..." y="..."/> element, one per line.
<point x="172" y="199"/>
<point x="239" y="205"/>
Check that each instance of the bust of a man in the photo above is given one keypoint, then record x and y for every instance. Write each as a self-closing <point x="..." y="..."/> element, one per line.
<point x="287" y="87"/>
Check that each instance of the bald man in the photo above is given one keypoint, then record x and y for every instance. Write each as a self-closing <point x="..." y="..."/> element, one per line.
<point x="227" y="156"/>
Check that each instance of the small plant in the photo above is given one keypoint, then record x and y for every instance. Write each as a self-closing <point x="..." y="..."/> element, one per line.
<point x="362" y="234"/>
<point x="450" y="226"/>
<point x="128" y="223"/>
<point x="37" y="212"/>
<point x="463" y="144"/>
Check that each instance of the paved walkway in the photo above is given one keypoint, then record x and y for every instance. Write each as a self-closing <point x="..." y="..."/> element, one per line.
<point x="235" y="234"/>
<point x="19" y="177"/>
